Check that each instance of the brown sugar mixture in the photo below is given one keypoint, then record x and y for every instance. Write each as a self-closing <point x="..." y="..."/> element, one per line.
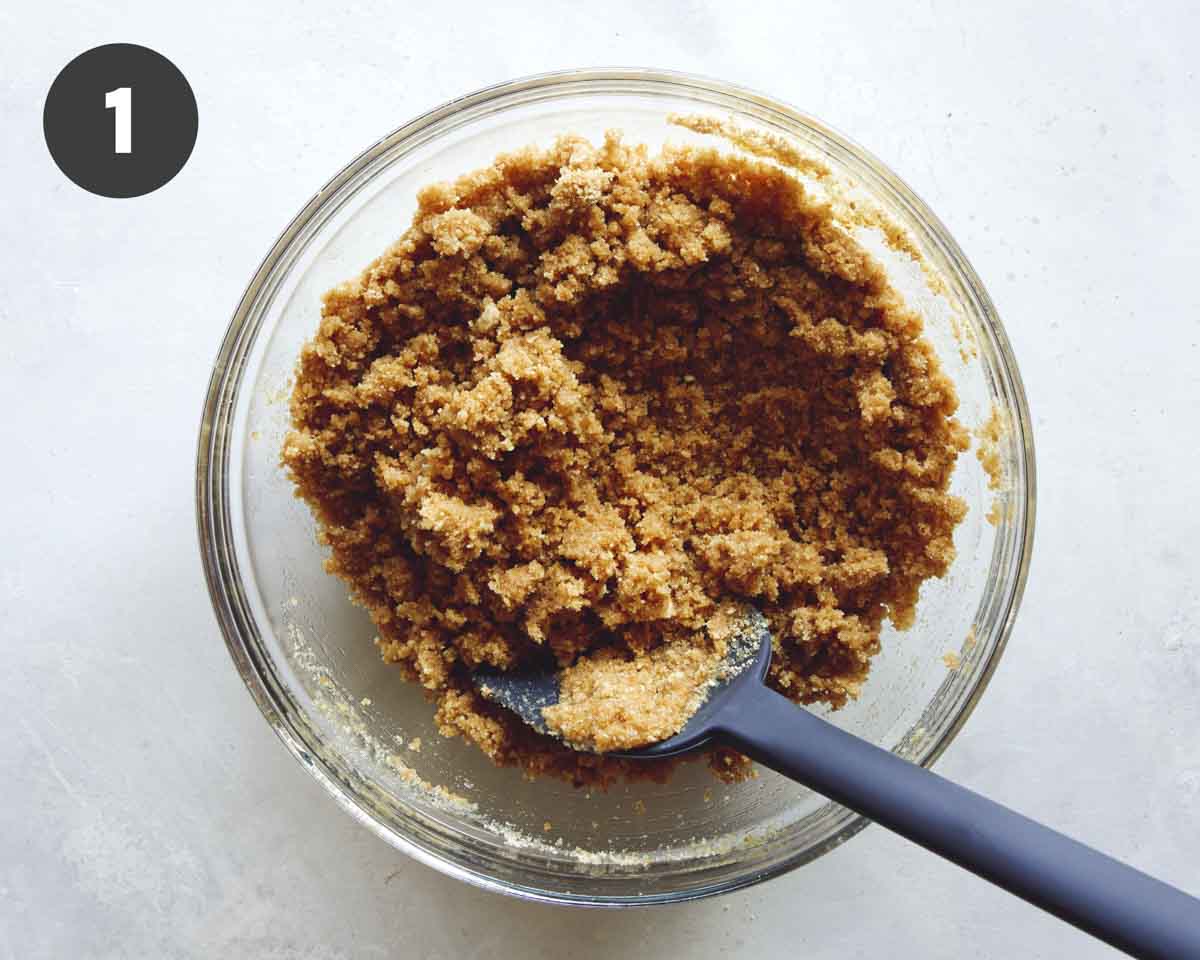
<point x="592" y="395"/>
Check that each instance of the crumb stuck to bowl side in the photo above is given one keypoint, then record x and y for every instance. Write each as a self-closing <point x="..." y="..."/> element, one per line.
<point x="989" y="438"/>
<point x="592" y="394"/>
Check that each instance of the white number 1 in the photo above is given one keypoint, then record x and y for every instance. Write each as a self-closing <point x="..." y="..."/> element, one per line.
<point x="120" y="101"/>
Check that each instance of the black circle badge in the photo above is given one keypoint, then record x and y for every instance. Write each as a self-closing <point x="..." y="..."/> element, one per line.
<point x="120" y="120"/>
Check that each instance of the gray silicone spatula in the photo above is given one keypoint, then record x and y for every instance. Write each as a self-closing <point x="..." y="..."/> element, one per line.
<point x="1108" y="899"/>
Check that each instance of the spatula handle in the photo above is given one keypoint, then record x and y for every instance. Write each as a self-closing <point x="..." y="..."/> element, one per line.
<point x="1108" y="899"/>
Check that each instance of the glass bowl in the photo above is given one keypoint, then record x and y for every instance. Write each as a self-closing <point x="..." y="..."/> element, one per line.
<point x="306" y="654"/>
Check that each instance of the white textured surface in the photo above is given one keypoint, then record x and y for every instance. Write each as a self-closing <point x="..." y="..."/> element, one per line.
<point x="147" y="810"/>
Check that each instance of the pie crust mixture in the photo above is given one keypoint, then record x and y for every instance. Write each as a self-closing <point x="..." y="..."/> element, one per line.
<point x="591" y="397"/>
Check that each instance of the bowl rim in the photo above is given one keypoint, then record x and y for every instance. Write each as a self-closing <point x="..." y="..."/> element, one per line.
<point x="213" y="521"/>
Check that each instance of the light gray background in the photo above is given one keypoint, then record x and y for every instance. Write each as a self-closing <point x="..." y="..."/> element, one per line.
<point x="147" y="810"/>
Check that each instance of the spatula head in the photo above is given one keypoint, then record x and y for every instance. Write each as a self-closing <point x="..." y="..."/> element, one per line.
<point x="744" y="667"/>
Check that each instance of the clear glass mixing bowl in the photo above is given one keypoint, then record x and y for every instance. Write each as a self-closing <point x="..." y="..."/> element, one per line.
<point x="306" y="653"/>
